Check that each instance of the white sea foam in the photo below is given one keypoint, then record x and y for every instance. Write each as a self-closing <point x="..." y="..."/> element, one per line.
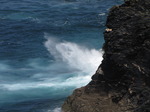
<point x="55" y="110"/>
<point x="76" y="81"/>
<point x="102" y="14"/>
<point x="85" y="61"/>
<point x="75" y="56"/>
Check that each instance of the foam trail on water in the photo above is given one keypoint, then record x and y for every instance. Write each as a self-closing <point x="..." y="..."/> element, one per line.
<point x="75" y="81"/>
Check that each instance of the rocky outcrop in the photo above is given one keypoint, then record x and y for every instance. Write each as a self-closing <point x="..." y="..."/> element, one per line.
<point x="122" y="81"/>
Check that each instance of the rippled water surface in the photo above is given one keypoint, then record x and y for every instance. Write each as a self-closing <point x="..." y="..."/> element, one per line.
<point x="47" y="49"/>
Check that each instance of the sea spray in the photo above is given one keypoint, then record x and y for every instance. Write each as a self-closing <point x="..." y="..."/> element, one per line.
<point x="76" y="56"/>
<point x="81" y="62"/>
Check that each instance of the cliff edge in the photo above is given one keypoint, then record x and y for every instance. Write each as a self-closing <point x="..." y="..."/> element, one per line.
<point x="122" y="81"/>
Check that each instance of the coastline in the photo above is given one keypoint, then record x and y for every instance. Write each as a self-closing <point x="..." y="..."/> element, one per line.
<point x="121" y="83"/>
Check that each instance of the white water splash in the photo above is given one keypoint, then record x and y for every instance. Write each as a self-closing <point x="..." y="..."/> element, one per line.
<point x="83" y="60"/>
<point x="75" y="56"/>
<point x="55" y="110"/>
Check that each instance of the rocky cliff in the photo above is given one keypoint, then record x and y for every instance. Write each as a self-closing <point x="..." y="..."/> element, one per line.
<point x="122" y="81"/>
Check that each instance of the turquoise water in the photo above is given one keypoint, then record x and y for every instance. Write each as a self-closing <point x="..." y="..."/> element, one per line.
<point x="47" y="49"/>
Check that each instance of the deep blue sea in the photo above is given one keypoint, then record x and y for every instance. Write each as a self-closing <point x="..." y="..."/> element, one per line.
<point x="47" y="49"/>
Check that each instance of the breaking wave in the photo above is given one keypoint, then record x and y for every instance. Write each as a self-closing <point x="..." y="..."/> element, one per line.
<point x="76" y="56"/>
<point x="79" y="61"/>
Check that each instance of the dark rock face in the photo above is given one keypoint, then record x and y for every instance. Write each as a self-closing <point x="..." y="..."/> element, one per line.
<point x="122" y="81"/>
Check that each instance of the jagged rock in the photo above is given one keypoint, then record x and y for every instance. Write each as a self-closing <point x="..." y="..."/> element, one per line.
<point x="122" y="81"/>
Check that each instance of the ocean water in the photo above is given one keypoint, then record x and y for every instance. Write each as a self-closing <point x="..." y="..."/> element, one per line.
<point x="47" y="49"/>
